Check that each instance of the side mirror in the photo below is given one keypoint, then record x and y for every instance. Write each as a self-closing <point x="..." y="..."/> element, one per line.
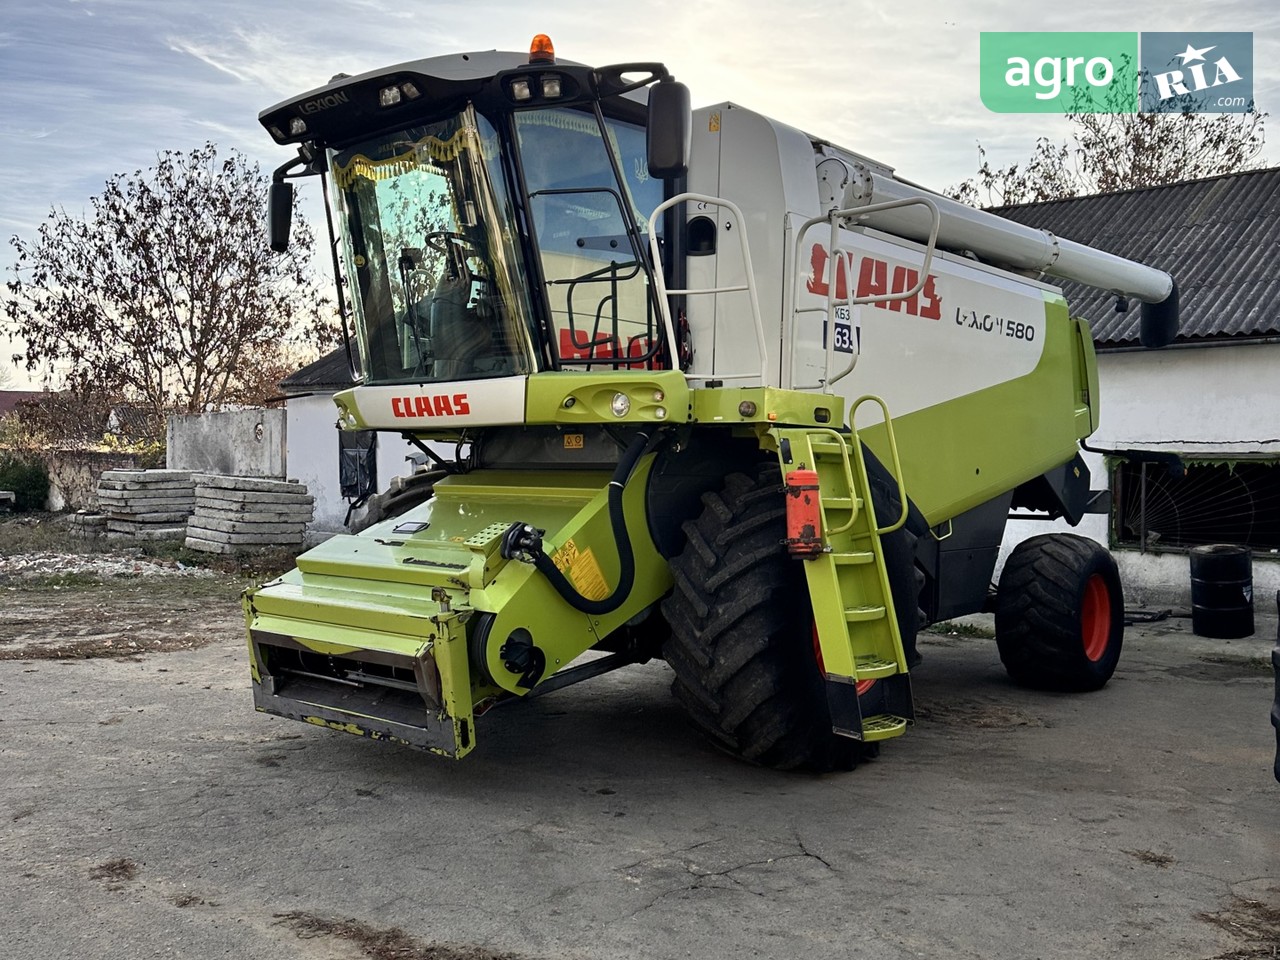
<point x="670" y="130"/>
<point x="279" y="215"/>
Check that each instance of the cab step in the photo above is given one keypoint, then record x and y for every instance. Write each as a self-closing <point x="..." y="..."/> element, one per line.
<point x="853" y="557"/>
<point x="872" y="667"/>
<point x="863" y="614"/>
<point x="883" y="727"/>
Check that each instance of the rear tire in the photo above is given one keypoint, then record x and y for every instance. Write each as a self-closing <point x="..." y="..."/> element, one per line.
<point x="1060" y="613"/>
<point x="741" y="643"/>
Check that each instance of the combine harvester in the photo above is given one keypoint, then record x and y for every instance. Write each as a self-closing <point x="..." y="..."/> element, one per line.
<point x="646" y="332"/>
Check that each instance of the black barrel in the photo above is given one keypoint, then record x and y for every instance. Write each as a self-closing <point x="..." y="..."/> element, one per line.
<point x="1221" y="591"/>
<point x="1275" y="706"/>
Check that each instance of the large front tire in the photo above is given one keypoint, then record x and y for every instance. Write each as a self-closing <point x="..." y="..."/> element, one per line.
<point x="1060" y="613"/>
<point x="741" y="642"/>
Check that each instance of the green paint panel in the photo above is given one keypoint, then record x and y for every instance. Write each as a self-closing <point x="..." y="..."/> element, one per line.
<point x="766" y="405"/>
<point x="528" y="601"/>
<point x="374" y="630"/>
<point x="962" y="453"/>
<point x="392" y="593"/>
<point x="654" y="396"/>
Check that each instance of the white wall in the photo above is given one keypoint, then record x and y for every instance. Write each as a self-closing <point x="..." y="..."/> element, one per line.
<point x="312" y="440"/>
<point x="1195" y="401"/>
<point x="1210" y="400"/>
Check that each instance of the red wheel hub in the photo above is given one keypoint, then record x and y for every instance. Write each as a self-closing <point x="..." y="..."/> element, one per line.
<point x="861" y="687"/>
<point x="1095" y="617"/>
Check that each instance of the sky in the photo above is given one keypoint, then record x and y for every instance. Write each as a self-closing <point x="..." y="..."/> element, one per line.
<point x="97" y="87"/>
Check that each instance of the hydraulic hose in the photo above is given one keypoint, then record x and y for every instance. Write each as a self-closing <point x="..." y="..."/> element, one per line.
<point x="525" y="543"/>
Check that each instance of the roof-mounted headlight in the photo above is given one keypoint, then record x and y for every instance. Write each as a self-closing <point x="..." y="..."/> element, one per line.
<point x="393" y="95"/>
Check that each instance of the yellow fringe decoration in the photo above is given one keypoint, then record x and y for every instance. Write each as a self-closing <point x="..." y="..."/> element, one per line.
<point x="361" y="167"/>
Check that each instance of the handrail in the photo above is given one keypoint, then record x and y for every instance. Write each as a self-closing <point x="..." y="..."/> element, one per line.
<point x="749" y="287"/>
<point x="893" y="455"/>
<point x="834" y="217"/>
<point x="848" y="474"/>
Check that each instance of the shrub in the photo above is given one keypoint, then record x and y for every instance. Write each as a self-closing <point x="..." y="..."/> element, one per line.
<point x="28" y="478"/>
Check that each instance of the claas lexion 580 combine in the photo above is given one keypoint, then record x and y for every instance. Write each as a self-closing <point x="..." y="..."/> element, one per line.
<point x="713" y="390"/>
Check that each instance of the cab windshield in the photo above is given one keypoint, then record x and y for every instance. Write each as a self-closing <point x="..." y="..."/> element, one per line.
<point x="598" y="290"/>
<point x="429" y="241"/>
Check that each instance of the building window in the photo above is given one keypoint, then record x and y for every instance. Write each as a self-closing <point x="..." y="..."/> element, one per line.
<point x="1212" y="502"/>
<point x="357" y="464"/>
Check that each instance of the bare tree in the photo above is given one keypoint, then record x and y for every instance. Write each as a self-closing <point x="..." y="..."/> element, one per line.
<point x="1118" y="151"/>
<point x="165" y="294"/>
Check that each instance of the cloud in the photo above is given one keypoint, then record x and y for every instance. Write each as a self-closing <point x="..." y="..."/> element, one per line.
<point x="95" y="87"/>
<point x="209" y="57"/>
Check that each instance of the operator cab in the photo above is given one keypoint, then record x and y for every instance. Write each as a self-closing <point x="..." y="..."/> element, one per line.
<point x="493" y="212"/>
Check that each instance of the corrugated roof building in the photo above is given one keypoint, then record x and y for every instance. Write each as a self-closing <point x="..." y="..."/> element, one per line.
<point x="327" y="375"/>
<point x="10" y="399"/>
<point x="1217" y="409"/>
<point x="1220" y="238"/>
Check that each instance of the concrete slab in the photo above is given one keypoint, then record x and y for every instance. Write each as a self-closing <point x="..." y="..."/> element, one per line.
<point x="197" y="528"/>
<point x="144" y="532"/>
<point x="128" y="525"/>
<point x="267" y="515"/>
<point x="150" y="517"/>
<point x="210" y="546"/>
<point x="221" y="497"/>
<point x="127" y="485"/>
<point x="237" y="527"/>
<point x="149" y="493"/>
<point x="131" y="511"/>
<point x="252" y="483"/>
<point x="146" y="475"/>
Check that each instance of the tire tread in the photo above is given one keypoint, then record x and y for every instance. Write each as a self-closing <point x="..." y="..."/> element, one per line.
<point x="1038" y="613"/>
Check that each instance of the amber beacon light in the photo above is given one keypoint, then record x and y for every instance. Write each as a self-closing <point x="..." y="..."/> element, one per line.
<point x="541" y="50"/>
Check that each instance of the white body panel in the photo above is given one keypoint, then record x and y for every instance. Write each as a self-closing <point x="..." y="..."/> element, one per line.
<point x="752" y="160"/>
<point x="968" y="329"/>
<point x="989" y="324"/>
<point x="461" y="403"/>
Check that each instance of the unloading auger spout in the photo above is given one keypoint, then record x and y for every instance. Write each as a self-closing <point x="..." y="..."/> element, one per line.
<point x="1018" y="247"/>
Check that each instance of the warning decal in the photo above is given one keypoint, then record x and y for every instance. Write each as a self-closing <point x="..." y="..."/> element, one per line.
<point x="583" y="571"/>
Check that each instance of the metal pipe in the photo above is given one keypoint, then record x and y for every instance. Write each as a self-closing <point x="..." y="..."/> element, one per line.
<point x="1002" y="241"/>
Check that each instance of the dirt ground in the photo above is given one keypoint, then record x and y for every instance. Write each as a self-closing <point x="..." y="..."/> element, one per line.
<point x="147" y="811"/>
<point x="65" y="598"/>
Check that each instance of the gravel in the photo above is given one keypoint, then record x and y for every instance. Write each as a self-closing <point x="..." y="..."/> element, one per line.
<point x="122" y="564"/>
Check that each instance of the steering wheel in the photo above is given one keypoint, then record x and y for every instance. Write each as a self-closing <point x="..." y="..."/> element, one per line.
<point x="454" y="246"/>
<point x="442" y="241"/>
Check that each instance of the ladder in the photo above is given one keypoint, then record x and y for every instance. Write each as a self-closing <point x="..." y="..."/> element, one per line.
<point x="855" y="628"/>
